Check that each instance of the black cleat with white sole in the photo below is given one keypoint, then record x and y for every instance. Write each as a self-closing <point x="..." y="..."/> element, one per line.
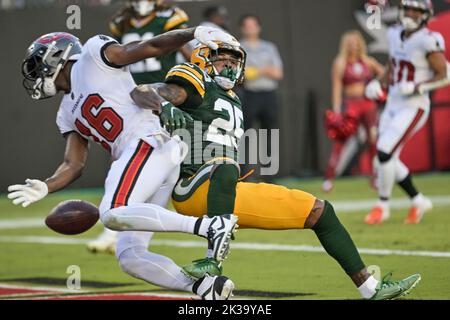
<point x="220" y="234"/>
<point x="214" y="287"/>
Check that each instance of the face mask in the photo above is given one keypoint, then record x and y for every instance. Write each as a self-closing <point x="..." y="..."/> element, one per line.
<point x="226" y="79"/>
<point x="228" y="73"/>
<point x="44" y="88"/>
<point x="408" y="23"/>
<point x="224" y="82"/>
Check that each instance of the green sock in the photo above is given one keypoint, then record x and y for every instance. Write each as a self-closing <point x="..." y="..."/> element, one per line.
<point x="337" y="242"/>
<point x="222" y="190"/>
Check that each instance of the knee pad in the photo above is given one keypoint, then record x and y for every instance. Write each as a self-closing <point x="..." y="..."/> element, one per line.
<point x="383" y="157"/>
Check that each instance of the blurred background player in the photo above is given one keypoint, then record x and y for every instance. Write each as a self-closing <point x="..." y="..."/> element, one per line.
<point x="352" y="69"/>
<point x="142" y="20"/>
<point x="417" y="65"/>
<point x="215" y="16"/>
<point x="263" y="72"/>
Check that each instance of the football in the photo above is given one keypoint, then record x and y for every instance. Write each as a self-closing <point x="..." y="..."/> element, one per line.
<point x="72" y="217"/>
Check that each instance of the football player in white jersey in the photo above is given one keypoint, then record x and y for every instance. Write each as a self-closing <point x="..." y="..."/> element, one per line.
<point x="417" y="65"/>
<point x="97" y="106"/>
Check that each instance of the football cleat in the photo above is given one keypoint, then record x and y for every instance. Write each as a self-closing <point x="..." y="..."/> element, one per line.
<point x="220" y="232"/>
<point x="377" y="215"/>
<point x="199" y="268"/>
<point x="105" y="243"/>
<point x="417" y="211"/>
<point x="391" y="290"/>
<point x="213" y="288"/>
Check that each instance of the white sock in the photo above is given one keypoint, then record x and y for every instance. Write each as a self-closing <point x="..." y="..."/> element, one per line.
<point x="384" y="204"/>
<point x="204" y="226"/>
<point x="367" y="289"/>
<point x="147" y="217"/>
<point x="417" y="199"/>
<point x="209" y="253"/>
<point x="386" y="178"/>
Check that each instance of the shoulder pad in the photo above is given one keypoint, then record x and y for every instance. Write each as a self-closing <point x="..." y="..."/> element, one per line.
<point x="188" y="73"/>
<point x="178" y="18"/>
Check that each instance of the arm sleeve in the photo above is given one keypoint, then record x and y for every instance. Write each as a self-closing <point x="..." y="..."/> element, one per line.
<point x="434" y="42"/>
<point x="192" y="79"/>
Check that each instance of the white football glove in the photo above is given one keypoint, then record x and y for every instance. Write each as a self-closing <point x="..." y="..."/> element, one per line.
<point x="26" y="194"/>
<point x="373" y="90"/>
<point x="407" y="88"/>
<point x="207" y="36"/>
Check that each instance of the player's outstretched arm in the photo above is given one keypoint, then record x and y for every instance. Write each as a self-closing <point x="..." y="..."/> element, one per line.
<point x="74" y="160"/>
<point x="71" y="168"/>
<point x="165" y="43"/>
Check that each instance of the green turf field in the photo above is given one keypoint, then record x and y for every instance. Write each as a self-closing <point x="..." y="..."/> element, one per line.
<point x="269" y="272"/>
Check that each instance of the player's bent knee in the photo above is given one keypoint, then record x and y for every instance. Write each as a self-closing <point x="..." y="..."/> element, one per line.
<point x="327" y="214"/>
<point x="383" y="157"/>
<point x="315" y="214"/>
<point x="111" y="219"/>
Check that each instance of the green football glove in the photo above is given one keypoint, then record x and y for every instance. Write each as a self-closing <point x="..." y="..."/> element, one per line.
<point x="173" y="118"/>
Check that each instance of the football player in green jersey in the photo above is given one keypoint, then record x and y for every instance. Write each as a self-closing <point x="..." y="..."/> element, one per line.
<point x="142" y="20"/>
<point x="209" y="181"/>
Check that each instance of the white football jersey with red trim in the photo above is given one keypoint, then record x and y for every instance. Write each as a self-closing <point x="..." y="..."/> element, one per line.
<point x="408" y="59"/>
<point x="99" y="107"/>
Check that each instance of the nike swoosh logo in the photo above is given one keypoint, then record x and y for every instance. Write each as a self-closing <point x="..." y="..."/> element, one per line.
<point x="182" y="191"/>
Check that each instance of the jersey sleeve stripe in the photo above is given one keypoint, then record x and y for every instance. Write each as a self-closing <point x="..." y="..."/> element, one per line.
<point x="178" y="18"/>
<point x="190" y="72"/>
<point x="195" y="82"/>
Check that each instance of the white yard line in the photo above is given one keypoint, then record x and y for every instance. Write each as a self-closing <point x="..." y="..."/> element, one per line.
<point x="340" y="206"/>
<point x="20" y="223"/>
<point x="7" y="286"/>
<point x="103" y="294"/>
<point x="236" y="246"/>
<point x="358" y="205"/>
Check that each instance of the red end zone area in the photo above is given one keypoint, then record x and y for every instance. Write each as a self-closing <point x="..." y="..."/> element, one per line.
<point x="16" y="292"/>
<point x="116" y="296"/>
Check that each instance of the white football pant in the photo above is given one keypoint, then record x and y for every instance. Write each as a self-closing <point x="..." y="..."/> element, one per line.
<point x="398" y="123"/>
<point x="137" y="189"/>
